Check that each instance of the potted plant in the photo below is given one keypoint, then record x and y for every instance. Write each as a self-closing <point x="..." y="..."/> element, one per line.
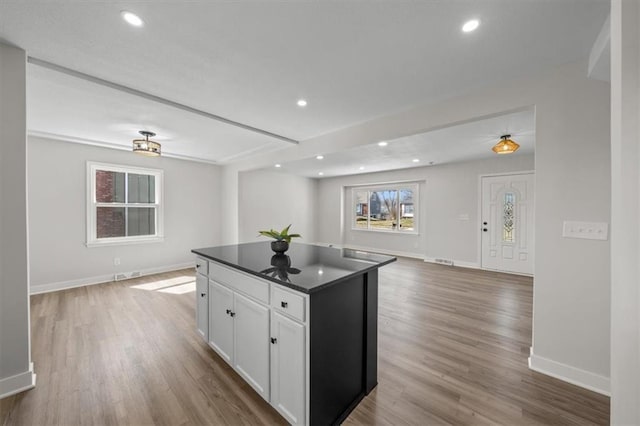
<point x="282" y="239"/>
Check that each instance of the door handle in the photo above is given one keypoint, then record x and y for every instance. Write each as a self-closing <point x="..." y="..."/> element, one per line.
<point x="274" y="340"/>
<point x="203" y="294"/>
<point x="284" y="304"/>
<point x="228" y="311"/>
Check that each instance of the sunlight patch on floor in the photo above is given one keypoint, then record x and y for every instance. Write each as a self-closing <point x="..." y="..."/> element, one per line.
<point x="180" y="289"/>
<point x="171" y="282"/>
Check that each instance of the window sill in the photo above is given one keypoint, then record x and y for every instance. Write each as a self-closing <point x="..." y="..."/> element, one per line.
<point x="387" y="231"/>
<point x="124" y="241"/>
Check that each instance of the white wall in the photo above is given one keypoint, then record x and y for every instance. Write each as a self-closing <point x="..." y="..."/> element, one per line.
<point x="16" y="373"/>
<point x="446" y="191"/>
<point x="269" y="199"/>
<point x="57" y="197"/>
<point x="625" y="211"/>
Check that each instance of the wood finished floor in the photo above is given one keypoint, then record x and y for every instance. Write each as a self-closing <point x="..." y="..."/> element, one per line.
<point x="453" y="347"/>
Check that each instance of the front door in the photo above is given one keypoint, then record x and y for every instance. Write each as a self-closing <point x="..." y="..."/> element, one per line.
<point x="507" y="223"/>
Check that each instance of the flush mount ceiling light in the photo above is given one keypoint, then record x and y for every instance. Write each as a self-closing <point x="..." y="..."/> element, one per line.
<point x="320" y="173"/>
<point x="302" y="103"/>
<point x="132" y="19"/>
<point x="470" y="26"/>
<point x="383" y="143"/>
<point x="505" y="146"/>
<point x="277" y="166"/>
<point x="319" y="157"/>
<point x="361" y="167"/>
<point x="416" y="160"/>
<point x="146" y="146"/>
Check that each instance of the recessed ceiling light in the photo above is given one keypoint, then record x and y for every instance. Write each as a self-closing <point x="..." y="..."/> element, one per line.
<point x="416" y="160"/>
<point x="383" y="143"/>
<point x="132" y="18"/>
<point x="361" y="167"/>
<point x="277" y="166"/>
<point x="319" y="157"/>
<point x="320" y="174"/>
<point x="302" y="103"/>
<point x="470" y="25"/>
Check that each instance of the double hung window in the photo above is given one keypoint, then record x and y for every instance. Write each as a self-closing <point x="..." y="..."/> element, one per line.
<point x="124" y="204"/>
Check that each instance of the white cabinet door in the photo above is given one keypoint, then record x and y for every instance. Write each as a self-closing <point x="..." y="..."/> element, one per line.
<point x="251" y="355"/>
<point x="221" y="320"/>
<point x="287" y="368"/>
<point x="202" y="306"/>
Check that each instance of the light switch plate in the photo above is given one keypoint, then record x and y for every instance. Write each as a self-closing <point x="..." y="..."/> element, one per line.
<point x="586" y="230"/>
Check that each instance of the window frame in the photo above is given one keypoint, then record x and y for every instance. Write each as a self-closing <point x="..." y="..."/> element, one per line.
<point x="92" y="205"/>
<point x="392" y="186"/>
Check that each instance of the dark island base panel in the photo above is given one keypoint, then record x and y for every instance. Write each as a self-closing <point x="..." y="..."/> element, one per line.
<point x="343" y="347"/>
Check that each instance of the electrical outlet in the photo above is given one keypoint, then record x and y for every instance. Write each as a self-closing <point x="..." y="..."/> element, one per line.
<point x="586" y="230"/>
<point x="116" y="261"/>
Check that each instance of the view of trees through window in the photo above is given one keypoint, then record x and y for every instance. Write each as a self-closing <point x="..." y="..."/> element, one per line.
<point x="390" y="209"/>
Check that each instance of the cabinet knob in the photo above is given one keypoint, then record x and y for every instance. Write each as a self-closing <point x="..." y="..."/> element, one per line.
<point x="484" y="229"/>
<point x="274" y="340"/>
<point x="203" y="294"/>
<point x="198" y="265"/>
<point x="284" y="304"/>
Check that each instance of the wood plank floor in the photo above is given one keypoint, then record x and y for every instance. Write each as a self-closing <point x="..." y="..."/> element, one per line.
<point x="453" y="349"/>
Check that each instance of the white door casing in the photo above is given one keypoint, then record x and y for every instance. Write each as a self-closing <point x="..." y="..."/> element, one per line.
<point x="507" y="223"/>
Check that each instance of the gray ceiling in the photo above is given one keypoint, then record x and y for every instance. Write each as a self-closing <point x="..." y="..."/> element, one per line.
<point x="250" y="61"/>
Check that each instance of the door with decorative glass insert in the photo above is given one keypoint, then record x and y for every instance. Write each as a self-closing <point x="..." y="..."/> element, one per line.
<point x="507" y="223"/>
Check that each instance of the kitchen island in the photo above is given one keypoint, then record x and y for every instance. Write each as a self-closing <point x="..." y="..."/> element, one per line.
<point x="299" y="327"/>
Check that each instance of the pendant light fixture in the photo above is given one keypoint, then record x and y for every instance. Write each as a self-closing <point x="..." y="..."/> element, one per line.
<point x="146" y="146"/>
<point x="505" y="146"/>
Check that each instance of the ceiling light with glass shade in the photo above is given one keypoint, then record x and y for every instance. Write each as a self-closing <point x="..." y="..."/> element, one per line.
<point x="146" y="146"/>
<point x="505" y="146"/>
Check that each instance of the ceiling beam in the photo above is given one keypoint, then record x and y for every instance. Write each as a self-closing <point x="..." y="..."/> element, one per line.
<point x="154" y="98"/>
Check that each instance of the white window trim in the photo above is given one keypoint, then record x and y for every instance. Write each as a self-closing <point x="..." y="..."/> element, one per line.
<point x="92" y="240"/>
<point x="413" y="185"/>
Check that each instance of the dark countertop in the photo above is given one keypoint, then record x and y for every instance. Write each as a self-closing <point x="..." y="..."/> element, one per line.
<point x="304" y="267"/>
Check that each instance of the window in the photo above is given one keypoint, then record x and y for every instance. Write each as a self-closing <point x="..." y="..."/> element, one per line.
<point x="386" y="208"/>
<point x="124" y="204"/>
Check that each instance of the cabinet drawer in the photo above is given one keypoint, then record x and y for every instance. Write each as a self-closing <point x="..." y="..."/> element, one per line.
<point x="240" y="281"/>
<point x="287" y="302"/>
<point x="202" y="266"/>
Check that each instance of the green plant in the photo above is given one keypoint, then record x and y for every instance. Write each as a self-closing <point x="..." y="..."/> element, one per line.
<point x="280" y="236"/>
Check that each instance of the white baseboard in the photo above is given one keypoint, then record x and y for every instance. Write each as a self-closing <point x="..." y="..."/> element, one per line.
<point x="384" y="251"/>
<point x="460" y="263"/>
<point x="18" y="383"/>
<point x="62" y="285"/>
<point x="573" y="375"/>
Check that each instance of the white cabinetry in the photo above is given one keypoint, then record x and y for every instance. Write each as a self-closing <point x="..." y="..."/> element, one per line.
<point x="221" y="320"/>
<point x="288" y="368"/>
<point x="239" y="324"/>
<point x="260" y="329"/>
<point x="202" y="299"/>
<point x="251" y="355"/>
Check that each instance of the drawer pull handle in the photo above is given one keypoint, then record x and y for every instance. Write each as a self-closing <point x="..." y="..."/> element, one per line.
<point x="203" y="294"/>
<point x="284" y="304"/>
<point x="274" y="340"/>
